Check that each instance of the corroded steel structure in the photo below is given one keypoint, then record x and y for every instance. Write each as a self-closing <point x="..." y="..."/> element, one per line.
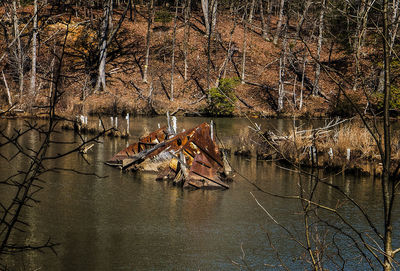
<point x="191" y="158"/>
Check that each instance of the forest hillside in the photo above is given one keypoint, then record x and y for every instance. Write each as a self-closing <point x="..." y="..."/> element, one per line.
<point x="233" y="57"/>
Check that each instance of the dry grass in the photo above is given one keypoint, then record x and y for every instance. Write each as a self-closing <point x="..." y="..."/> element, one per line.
<point x="295" y="146"/>
<point x="356" y="138"/>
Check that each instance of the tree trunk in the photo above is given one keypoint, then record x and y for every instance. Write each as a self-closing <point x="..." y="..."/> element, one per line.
<point x="294" y="92"/>
<point x="173" y="51"/>
<point x="246" y="21"/>
<point x="34" y="49"/>
<point x="7" y="89"/>
<point x="230" y="51"/>
<point x="307" y="5"/>
<point x="205" y="8"/>
<point x="302" y="83"/>
<point x="264" y="32"/>
<point x="18" y="50"/>
<point x="208" y="63"/>
<point x="214" y="15"/>
<point x="110" y="16"/>
<point x="132" y="16"/>
<point x="251" y="12"/>
<point x="316" y="88"/>
<point x="387" y="183"/>
<point x="279" y="24"/>
<point x="150" y="9"/>
<point x="269" y="13"/>
<point x="361" y="26"/>
<point x="395" y="24"/>
<point x="282" y="67"/>
<point x="186" y="38"/>
<point x="358" y="35"/>
<point x="52" y="71"/>
<point x="101" y="79"/>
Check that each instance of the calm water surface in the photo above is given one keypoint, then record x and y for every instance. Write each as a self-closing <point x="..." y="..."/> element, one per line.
<point x="129" y="221"/>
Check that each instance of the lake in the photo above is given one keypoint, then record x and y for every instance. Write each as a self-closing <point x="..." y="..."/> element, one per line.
<point x="129" y="221"/>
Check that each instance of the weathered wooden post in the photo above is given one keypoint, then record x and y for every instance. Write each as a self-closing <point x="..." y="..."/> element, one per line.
<point x="212" y="130"/>
<point x="127" y="123"/>
<point x="330" y="153"/>
<point x="174" y="125"/>
<point x="315" y="155"/>
<point x="169" y="129"/>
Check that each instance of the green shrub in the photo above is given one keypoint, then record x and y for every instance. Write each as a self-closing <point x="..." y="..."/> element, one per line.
<point x="222" y="99"/>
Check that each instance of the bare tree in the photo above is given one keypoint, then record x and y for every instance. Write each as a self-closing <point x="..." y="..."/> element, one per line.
<point x="251" y="11"/>
<point x="247" y="19"/>
<point x="211" y="22"/>
<point x="173" y="50"/>
<point x="206" y="14"/>
<point x="282" y="69"/>
<point x="26" y="182"/>
<point x="34" y="48"/>
<point x="316" y="89"/>
<point x="150" y="16"/>
<point x="384" y="254"/>
<point x="280" y="19"/>
<point x="7" y="89"/>
<point x="104" y="31"/>
<point x="264" y="24"/>
<point x="186" y="37"/>
<point x="302" y="82"/>
<point x="395" y="21"/>
<point x="18" y="52"/>
<point x="361" y="27"/>
<point x="214" y="5"/>
<point x="209" y="8"/>
<point x="388" y="183"/>
<point x="307" y="5"/>
<point x="231" y="48"/>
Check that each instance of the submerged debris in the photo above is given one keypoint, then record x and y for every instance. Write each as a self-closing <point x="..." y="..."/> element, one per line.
<point x="190" y="159"/>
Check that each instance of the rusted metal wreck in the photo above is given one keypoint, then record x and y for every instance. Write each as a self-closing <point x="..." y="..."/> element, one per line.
<point x="190" y="159"/>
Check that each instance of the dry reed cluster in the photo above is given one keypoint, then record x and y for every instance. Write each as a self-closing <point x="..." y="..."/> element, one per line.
<point x="345" y="145"/>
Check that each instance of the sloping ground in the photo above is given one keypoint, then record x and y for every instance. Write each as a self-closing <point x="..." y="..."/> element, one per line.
<point x="126" y="91"/>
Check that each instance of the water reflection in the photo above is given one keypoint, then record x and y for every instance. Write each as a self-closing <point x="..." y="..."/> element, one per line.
<point x="129" y="221"/>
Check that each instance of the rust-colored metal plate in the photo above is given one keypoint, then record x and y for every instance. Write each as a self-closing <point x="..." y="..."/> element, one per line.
<point x="144" y="143"/>
<point x="202" y="171"/>
<point x="203" y="141"/>
<point x="179" y="141"/>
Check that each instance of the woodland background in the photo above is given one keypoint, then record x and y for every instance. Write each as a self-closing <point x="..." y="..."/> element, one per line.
<point x="263" y="57"/>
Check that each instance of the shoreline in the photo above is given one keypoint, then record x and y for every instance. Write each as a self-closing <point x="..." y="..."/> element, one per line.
<point x="183" y="113"/>
<point x="357" y="163"/>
